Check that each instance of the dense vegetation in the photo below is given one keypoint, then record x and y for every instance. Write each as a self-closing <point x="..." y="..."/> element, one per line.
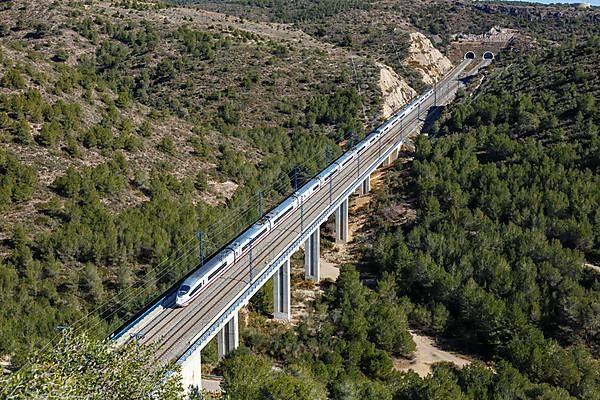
<point x="345" y="350"/>
<point x="507" y="216"/>
<point x="101" y="197"/>
<point x="506" y="198"/>
<point x="113" y="154"/>
<point x="83" y="368"/>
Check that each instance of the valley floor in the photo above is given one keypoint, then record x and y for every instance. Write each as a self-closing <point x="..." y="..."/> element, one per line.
<point x="427" y="354"/>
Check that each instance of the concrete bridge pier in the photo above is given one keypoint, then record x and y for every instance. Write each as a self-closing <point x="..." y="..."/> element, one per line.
<point x="394" y="154"/>
<point x="365" y="186"/>
<point x="228" y="339"/>
<point x="191" y="372"/>
<point x="388" y="161"/>
<point x="312" y="255"/>
<point x="341" y="223"/>
<point x="281" y="292"/>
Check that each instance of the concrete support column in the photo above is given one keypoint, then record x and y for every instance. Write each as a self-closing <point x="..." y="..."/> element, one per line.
<point x="365" y="186"/>
<point x="393" y="155"/>
<point x="341" y="223"/>
<point x="312" y="254"/>
<point x="386" y="162"/>
<point x="389" y="160"/>
<point x="191" y="372"/>
<point x="228" y="339"/>
<point x="281" y="292"/>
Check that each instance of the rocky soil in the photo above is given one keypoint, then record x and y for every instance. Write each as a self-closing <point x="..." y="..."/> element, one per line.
<point x="425" y="58"/>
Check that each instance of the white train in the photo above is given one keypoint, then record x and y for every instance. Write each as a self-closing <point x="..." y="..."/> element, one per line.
<point x="193" y="285"/>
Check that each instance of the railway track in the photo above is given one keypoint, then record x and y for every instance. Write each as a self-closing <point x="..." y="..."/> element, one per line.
<point x="176" y="329"/>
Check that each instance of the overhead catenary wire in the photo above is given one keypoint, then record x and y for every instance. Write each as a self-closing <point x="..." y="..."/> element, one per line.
<point x="239" y="280"/>
<point x="78" y="325"/>
<point x="235" y="222"/>
<point x="412" y="119"/>
<point x="167" y="269"/>
<point x="170" y="264"/>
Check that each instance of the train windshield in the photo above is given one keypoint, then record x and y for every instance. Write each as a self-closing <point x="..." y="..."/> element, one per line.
<point x="183" y="290"/>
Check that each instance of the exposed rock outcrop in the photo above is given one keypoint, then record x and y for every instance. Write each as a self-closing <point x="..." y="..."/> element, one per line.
<point x="425" y="58"/>
<point x="395" y="91"/>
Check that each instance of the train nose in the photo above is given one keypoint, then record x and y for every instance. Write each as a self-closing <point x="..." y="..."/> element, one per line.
<point x="181" y="301"/>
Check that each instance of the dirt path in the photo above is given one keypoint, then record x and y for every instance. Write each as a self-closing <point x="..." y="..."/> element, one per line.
<point x="426" y="355"/>
<point x="212" y="385"/>
<point x="592" y="267"/>
<point x="329" y="270"/>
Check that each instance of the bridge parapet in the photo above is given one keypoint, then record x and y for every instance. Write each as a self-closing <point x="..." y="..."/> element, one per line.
<point x="219" y="310"/>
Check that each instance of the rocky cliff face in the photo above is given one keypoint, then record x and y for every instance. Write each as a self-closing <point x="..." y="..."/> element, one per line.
<point x="395" y="91"/>
<point x="425" y="58"/>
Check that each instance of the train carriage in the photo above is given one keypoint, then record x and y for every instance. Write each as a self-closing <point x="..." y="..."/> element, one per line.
<point x="193" y="285"/>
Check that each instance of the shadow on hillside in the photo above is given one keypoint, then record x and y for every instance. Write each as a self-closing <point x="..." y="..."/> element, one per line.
<point x="432" y="116"/>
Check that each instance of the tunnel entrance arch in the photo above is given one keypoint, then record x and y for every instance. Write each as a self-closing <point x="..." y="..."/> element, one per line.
<point x="470" y="55"/>
<point x="488" y="55"/>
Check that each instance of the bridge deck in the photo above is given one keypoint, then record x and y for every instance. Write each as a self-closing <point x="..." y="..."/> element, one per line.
<point x="176" y="329"/>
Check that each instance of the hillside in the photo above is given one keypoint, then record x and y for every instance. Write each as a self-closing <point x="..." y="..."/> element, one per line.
<point x="506" y="200"/>
<point x="483" y="237"/>
<point x="129" y="126"/>
<point x="358" y="24"/>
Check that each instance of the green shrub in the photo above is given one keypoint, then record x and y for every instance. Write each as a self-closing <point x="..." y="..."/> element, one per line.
<point x="167" y="145"/>
<point x="16" y="180"/>
<point x="13" y="79"/>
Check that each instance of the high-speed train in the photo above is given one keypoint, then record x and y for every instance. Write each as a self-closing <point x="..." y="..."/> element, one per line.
<point x="193" y="285"/>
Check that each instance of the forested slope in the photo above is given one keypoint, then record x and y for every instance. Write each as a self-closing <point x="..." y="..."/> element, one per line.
<point x="125" y="127"/>
<point x="507" y="201"/>
<point x="506" y="197"/>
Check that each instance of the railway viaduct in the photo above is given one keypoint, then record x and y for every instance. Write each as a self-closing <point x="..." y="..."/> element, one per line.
<point x="181" y="333"/>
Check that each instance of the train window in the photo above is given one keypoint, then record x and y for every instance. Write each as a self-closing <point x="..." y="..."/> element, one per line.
<point x="347" y="161"/>
<point x="197" y="288"/>
<point x="260" y="234"/>
<point x="330" y="175"/>
<point x="183" y="290"/>
<point x="282" y="215"/>
<point x="216" y="271"/>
